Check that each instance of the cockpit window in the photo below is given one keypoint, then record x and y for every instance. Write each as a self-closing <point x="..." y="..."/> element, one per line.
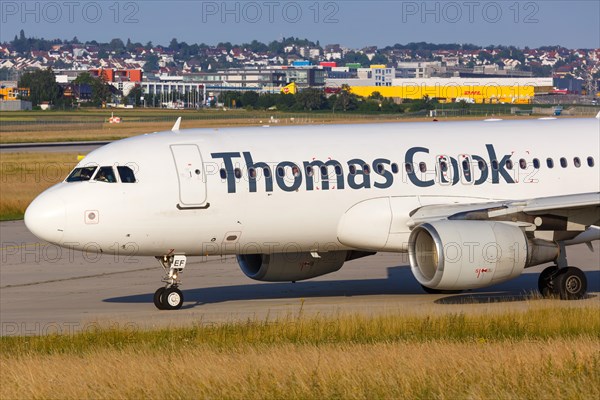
<point x="126" y="174"/>
<point x="105" y="174"/>
<point x="81" y="174"/>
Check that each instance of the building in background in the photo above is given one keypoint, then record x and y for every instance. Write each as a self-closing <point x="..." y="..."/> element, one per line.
<point x="9" y="91"/>
<point x="486" y="89"/>
<point x="115" y="75"/>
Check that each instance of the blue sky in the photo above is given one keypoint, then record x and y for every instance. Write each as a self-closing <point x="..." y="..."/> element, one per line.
<point x="354" y="24"/>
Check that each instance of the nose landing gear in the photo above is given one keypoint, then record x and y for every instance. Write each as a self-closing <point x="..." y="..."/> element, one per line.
<point x="170" y="297"/>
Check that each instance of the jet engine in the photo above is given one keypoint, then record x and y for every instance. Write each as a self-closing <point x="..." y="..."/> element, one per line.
<point x="458" y="255"/>
<point x="286" y="267"/>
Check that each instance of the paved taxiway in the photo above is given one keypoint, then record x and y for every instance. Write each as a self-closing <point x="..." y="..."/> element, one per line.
<point x="45" y="289"/>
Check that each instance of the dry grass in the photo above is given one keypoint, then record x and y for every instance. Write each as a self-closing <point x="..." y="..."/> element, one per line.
<point x="544" y="370"/>
<point x="541" y="354"/>
<point x="25" y="175"/>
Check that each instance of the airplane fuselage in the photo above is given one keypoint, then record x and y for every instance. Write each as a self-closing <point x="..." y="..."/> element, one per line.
<point x="286" y="189"/>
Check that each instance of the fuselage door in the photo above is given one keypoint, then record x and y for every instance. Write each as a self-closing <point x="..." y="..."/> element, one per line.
<point x="191" y="175"/>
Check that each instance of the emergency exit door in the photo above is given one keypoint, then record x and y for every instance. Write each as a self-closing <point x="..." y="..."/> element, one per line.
<point x="191" y="175"/>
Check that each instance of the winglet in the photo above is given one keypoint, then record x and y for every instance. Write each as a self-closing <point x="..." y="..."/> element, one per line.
<point x="598" y="115"/>
<point x="176" y="126"/>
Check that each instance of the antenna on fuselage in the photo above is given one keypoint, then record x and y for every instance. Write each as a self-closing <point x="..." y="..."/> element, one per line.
<point x="176" y="126"/>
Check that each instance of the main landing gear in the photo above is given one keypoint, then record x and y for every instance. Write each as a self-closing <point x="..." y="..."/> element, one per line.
<point x="567" y="283"/>
<point x="170" y="297"/>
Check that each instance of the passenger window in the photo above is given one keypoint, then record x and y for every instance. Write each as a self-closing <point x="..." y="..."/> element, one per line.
<point x="309" y="171"/>
<point x="251" y="173"/>
<point x="366" y="169"/>
<point x="482" y="165"/>
<point x="577" y="162"/>
<point x="267" y="172"/>
<point x="237" y="173"/>
<point x="422" y="167"/>
<point x="352" y="169"/>
<point x="81" y="174"/>
<point x="324" y="171"/>
<point x="126" y="174"/>
<point x="590" y="161"/>
<point x="550" y="163"/>
<point x="523" y="163"/>
<point x="395" y="168"/>
<point x="466" y="167"/>
<point x="280" y="172"/>
<point x="495" y="164"/>
<point x="409" y="168"/>
<point x="509" y="164"/>
<point x="443" y="166"/>
<point x="536" y="163"/>
<point x="338" y="170"/>
<point x="223" y="173"/>
<point x="563" y="162"/>
<point x="105" y="174"/>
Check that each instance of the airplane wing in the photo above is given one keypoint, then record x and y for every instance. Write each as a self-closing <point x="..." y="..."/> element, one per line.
<point x="449" y="245"/>
<point x="556" y="218"/>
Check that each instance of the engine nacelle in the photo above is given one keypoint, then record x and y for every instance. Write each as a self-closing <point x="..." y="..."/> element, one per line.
<point x="457" y="255"/>
<point x="287" y="267"/>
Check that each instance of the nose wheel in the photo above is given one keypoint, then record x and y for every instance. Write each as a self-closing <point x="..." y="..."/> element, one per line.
<point x="170" y="297"/>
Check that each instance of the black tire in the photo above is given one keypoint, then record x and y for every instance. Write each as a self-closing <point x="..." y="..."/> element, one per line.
<point x="570" y="284"/>
<point x="172" y="299"/>
<point x="158" y="298"/>
<point x="546" y="281"/>
<point x="438" y="291"/>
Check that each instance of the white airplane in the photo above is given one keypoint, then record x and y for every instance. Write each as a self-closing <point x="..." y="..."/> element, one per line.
<point x="473" y="203"/>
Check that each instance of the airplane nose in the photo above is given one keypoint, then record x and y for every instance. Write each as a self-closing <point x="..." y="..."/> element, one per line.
<point x="46" y="217"/>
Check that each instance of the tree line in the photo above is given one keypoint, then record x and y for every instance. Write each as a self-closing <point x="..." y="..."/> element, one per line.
<point x="43" y="88"/>
<point x="313" y="99"/>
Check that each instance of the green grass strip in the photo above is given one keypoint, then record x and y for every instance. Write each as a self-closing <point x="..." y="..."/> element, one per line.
<point x="537" y="324"/>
